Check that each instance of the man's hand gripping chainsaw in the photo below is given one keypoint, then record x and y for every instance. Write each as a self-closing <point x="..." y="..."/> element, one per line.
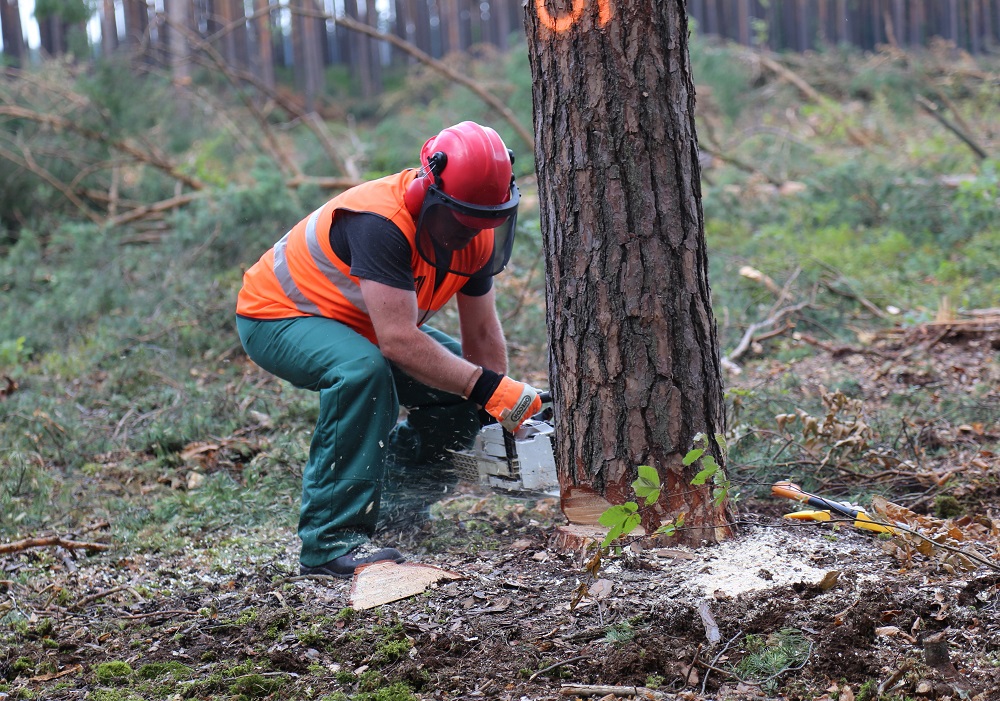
<point x="508" y="401"/>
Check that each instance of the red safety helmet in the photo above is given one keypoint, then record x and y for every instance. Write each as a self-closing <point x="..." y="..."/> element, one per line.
<point x="465" y="194"/>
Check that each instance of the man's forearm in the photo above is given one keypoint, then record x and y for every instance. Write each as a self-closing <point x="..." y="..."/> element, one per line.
<point x="489" y="353"/>
<point x="428" y="362"/>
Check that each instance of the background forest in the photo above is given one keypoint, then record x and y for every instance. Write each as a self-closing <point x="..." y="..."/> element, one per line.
<point x="851" y="200"/>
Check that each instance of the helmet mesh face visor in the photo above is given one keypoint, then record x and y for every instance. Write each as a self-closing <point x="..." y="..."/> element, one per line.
<point x="466" y="239"/>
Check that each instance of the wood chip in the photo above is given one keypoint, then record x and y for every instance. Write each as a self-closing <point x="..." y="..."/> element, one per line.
<point x="382" y="582"/>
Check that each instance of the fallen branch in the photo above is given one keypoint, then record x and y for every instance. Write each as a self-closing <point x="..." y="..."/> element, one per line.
<point x="557" y="665"/>
<point x="841" y="351"/>
<point x="152" y="614"/>
<point x="751" y="333"/>
<point x="28" y="543"/>
<point x="99" y="595"/>
<point x="810" y="93"/>
<point x="932" y="109"/>
<point x="851" y="294"/>
<point x="155" y="208"/>
<point x="57" y="123"/>
<point x="28" y="163"/>
<point x="606" y="690"/>
<point x="738" y="164"/>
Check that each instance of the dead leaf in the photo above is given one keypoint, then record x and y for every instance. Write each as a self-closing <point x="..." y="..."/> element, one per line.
<point x="262" y="419"/>
<point x="601" y="589"/>
<point x="9" y="387"/>
<point x="193" y="449"/>
<point x="846" y="694"/>
<point x="829" y="580"/>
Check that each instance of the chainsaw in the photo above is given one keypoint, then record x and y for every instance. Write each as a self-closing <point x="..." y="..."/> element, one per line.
<point x="519" y="462"/>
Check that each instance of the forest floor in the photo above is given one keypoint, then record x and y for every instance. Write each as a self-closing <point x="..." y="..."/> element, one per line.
<point x="785" y="610"/>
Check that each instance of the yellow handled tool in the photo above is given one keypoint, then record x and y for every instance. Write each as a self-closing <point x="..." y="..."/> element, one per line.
<point x="790" y="490"/>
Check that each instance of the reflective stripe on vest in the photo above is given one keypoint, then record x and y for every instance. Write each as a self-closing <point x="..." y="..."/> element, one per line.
<point x="288" y="285"/>
<point x="346" y="286"/>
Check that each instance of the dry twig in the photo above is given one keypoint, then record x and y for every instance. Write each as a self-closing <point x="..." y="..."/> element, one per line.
<point x="28" y="543"/>
<point x="932" y="109"/>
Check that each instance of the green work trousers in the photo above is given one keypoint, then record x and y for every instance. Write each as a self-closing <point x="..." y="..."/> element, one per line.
<point x="360" y="394"/>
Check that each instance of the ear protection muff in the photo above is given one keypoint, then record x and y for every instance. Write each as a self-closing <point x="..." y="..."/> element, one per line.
<point x="426" y="176"/>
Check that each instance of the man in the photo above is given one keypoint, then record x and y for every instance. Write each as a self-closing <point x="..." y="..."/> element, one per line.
<point x="339" y="305"/>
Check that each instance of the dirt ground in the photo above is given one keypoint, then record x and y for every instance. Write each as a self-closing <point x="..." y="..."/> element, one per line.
<point x="857" y="615"/>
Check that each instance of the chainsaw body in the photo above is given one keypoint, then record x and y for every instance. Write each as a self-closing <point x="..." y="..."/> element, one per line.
<point x="530" y="467"/>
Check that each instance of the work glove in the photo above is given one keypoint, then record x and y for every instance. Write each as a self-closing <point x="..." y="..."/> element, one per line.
<point x="508" y="401"/>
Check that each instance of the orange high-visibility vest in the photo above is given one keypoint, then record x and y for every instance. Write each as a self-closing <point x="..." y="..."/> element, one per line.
<point x="302" y="276"/>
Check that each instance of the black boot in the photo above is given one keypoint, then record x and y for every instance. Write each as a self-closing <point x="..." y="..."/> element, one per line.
<point x="344" y="566"/>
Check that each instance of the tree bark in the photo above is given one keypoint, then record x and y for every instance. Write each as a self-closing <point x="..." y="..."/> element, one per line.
<point x="14" y="49"/>
<point x="310" y="25"/>
<point x="500" y="17"/>
<point x="374" y="50"/>
<point x="265" y="49"/>
<point x="179" y="14"/>
<point x="401" y="28"/>
<point x="109" y="28"/>
<point x="422" y="26"/>
<point x="634" y="355"/>
<point x="52" y="35"/>
<point x="136" y="22"/>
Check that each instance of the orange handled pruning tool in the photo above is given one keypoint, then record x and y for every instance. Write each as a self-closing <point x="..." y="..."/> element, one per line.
<point x="790" y="490"/>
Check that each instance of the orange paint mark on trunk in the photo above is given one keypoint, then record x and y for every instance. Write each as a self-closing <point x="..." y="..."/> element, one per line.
<point x="564" y="22"/>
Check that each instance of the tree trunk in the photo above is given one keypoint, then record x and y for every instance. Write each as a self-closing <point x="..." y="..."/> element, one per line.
<point x="634" y="356"/>
<point x="226" y="43"/>
<point x="109" y="28"/>
<point x="448" y="22"/>
<point x="179" y="51"/>
<point x="241" y="52"/>
<point x="463" y="13"/>
<point x="308" y="52"/>
<point x="401" y="28"/>
<point x="52" y="35"/>
<point x="374" y="50"/>
<point x="14" y="50"/>
<point x="265" y="49"/>
<point x="136" y="22"/>
<point x="500" y="17"/>
<point x="422" y="26"/>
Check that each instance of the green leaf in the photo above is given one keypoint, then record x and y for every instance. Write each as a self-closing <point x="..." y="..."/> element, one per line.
<point x="612" y="535"/>
<point x="668" y="528"/>
<point x="621" y="519"/>
<point x="648" y="484"/>
<point x="692" y="456"/>
<point x="616" y="515"/>
<point x="720" y="438"/>
<point x="703" y="476"/>
<point x="648" y="477"/>
<point x="719" y="495"/>
<point x="631" y="523"/>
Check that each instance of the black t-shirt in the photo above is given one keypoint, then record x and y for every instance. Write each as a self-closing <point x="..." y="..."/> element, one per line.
<point x="377" y="250"/>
